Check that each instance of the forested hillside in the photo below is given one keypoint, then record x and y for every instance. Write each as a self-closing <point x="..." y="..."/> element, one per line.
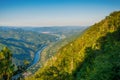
<point x="95" y="55"/>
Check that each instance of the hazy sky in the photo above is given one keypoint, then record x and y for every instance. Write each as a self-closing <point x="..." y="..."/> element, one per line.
<point x="55" y="12"/>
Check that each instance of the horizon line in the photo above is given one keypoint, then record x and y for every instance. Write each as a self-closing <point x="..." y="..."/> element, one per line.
<point x="46" y="26"/>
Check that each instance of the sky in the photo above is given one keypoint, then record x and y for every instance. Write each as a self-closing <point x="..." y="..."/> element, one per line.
<point x="55" y="12"/>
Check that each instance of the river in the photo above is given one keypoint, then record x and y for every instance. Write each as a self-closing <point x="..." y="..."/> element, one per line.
<point x="34" y="62"/>
<point x="37" y="57"/>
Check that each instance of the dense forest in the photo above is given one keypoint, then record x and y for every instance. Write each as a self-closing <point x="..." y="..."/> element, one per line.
<point x="95" y="55"/>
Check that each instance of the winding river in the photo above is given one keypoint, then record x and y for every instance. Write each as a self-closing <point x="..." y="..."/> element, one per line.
<point x="34" y="62"/>
<point x="37" y="56"/>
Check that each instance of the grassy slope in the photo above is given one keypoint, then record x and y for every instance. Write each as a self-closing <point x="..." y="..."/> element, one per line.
<point x="82" y="58"/>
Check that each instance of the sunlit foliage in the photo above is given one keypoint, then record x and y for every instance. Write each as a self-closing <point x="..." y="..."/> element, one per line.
<point x="6" y="66"/>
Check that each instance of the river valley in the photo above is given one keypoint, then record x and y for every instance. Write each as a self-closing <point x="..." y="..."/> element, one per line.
<point x="31" y="66"/>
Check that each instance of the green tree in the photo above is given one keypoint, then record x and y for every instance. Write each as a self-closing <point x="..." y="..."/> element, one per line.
<point x="6" y="66"/>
